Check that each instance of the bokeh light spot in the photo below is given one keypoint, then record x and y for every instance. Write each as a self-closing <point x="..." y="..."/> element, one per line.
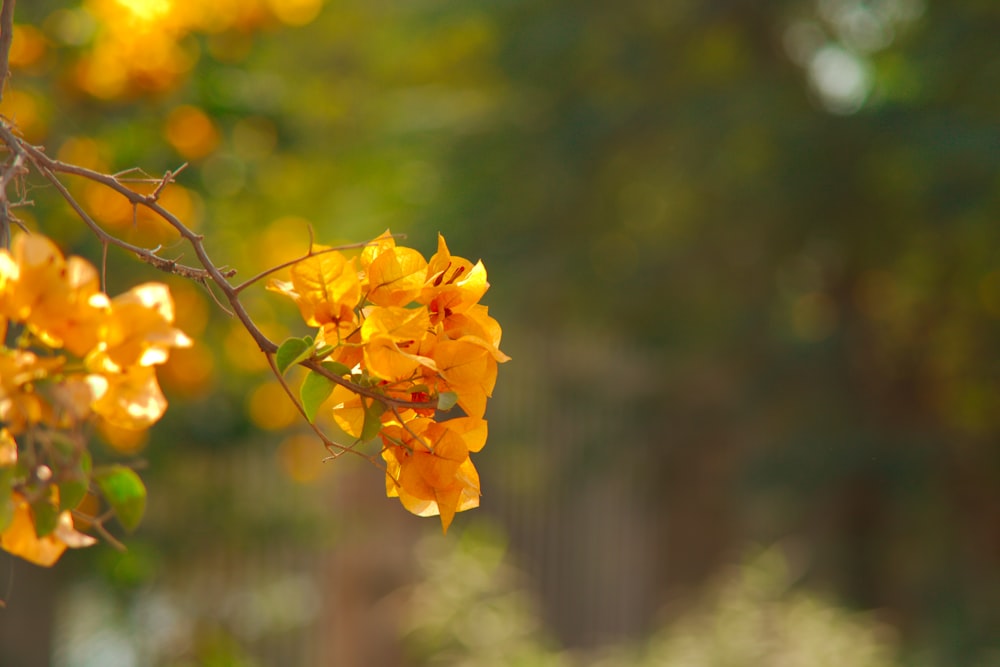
<point x="24" y="110"/>
<point x="72" y="27"/>
<point x="814" y="316"/>
<point x="188" y="371"/>
<point x="270" y="408"/>
<point x="295" y="12"/>
<point x="147" y="10"/>
<point x="191" y="132"/>
<point x="27" y="47"/>
<point x="841" y="79"/>
<point x="301" y="458"/>
<point x="84" y="152"/>
<point x="254" y="138"/>
<point x="284" y="239"/>
<point x="123" y="440"/>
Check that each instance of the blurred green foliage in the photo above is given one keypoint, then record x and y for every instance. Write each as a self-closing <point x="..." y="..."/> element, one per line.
<point x="753" y="616"/>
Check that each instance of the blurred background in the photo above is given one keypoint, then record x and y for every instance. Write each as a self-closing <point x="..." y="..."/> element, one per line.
<point x="746" y="255"/>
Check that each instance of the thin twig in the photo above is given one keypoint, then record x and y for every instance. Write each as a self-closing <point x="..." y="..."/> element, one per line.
<point x="146" y="178"/>
<point x="312" y="253"/>
<point x="329" y="444"/>
<point x="14" y="168"/>
<point x="108" y="537"/>
<point x="6" y="38"/>
<point x="317" y="366"/>
<point x="104" y="265"/>
<point x="168" y="177"/>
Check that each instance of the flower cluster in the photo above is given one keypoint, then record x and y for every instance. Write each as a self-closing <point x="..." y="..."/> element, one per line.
<point x="69" y="355"/>
<point x="408" y="338"/>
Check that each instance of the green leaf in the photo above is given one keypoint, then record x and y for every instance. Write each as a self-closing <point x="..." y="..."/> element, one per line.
<point x="373" y="422"/>
<point x="336" y="368"/>
<point x="64" y="445"/>
<point x="447" y="400"/>
<point x="72" y="491"/>
<point x="46" y="516"/>
<point x="315" y="389"/>
<point x="6" y="512"/>
<point x="6" y="501"/>
<point x="292" y="351"/>
<point x="125" y="492"/>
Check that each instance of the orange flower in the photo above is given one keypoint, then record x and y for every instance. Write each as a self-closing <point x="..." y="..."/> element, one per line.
<point x="469" y="368"/>
<point x="71" y="316"/>
<point x="29" y="272"/>
<point x="395" y="277"/>
<point x="477" y="323"/>
<point x="19" y="536"/>
<point x="392" y="338"/>
<point x="20" y="405"/>
<point x="138" y="331"/>
<point x="428" y="466"/>
<point x="59" y="299"/>
<point x="9" y="273"/>
<point x="453" y="284"/>
<point x="326" y="289"/>
<point x="8" y="449"/>
<point x="20" y="539"/>
<point x="348" y="411"/>
<point x="131" y="399"/>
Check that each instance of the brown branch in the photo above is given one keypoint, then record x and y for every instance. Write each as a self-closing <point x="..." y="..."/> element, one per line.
<point x="49" y="167"/>
<point x="171" y="266"/>
<point x="13" y="168"/>
<point x="6" y="38"/>
<point x="317" y="366"/>
<point x="168" y="178"/>
<point x="335" y="448"/>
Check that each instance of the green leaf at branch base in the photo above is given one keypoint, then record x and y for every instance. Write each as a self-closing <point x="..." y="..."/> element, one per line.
<point x="315" y="389"/>
<point x="447" y="400"/>
<point x="336" y="368"/>
<point x="46" y="516"/>
<point x="6" y="501"/>
<point x="292" y="351"/>
<point x="72" y="491"/>
<point x="124" y="491"/>
<point x="373" y="419"/>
